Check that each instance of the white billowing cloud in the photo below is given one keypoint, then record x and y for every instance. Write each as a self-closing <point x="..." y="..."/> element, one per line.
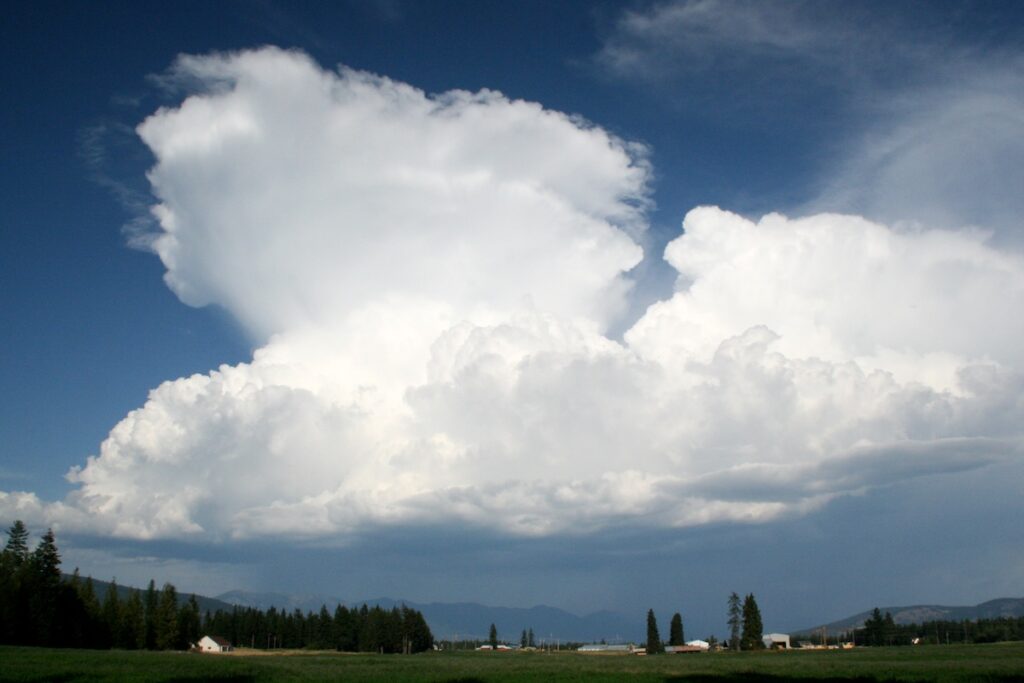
<point x="292" y="196"/>
<point x="840" y="288"/>
<point x="434" y="277"/>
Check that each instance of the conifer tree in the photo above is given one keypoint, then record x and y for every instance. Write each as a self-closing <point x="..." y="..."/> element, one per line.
<point x="17" y="543"/>
<point x="345" y="630"/>
<point x="150" y="605"/>
<point x="492" y="636"/>
<point x="735" y="621"/>
<point x="653" y="638"/>
<point x="166" y="622"/>
<point x="133" y="623"/>
<point x="46" y="561"/>
<point x="416" y="635"/>
<point x="43" y="584"/>
<point x="111" y="615"/>
<point x="324" y="629"/>
<point x="188" y="623"/>
<point x="530" y="642"/>
<point x="675" y="630"/>
<point x="888" y="629"/>
<point x="752" y="628"/>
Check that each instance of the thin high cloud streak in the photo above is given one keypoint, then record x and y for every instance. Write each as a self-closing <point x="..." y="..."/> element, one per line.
<point x="433" y="277"/>
<point x="925" y="116"/>
<point x="946" y="156"/>
<point x="772" y="45"/>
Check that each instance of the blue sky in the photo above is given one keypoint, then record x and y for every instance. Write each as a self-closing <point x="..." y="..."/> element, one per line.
<point x="430" y="322"/>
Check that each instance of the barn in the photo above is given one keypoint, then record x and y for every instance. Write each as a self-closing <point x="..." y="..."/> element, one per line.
<point x="214" y="644"/>
<point x="776" y="641"/>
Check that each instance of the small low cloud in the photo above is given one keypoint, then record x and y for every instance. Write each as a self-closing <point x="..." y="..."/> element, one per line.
<point x="431" y="281"/>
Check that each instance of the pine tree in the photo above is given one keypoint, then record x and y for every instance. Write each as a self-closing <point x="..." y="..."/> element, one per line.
<point x="523" y="642"/>
<point x="492" y="636"/>
<point x="888" y="629"/>
<point x="133" y="623"/>
<point x="166" y="622"/>
<point x="735" y="621"/>
<point x="17" y="543"/>
<point x="324" y="629"/>
<point x="416" y="634"/>
<point x="345" y="630"/>
<point x="150" y="605"/>
<point x="111" y="615"/>
<point x="46" y="560"/>
<point x="188" y="623"/>
<point x="44" y="587"/>
<point x="752" y="628"/>
<point x="675" y="630"/>
<point x="530" y="642"/>
<point x="874" y="628"/>
<point x="653" y="639"/>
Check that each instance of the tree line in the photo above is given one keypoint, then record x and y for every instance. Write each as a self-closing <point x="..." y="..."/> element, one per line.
<point x="881" y="630"/>
<point x="363" y="629"/>
<point x="38" y="606"/>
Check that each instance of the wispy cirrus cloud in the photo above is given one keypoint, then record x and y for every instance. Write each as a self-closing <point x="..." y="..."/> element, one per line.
<point x="920" y="117"/>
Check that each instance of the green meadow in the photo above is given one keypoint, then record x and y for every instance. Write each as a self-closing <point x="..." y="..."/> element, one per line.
<point x="1001" y="662"/>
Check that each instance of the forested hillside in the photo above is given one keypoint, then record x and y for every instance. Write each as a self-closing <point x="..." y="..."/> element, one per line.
<point x="41" y="606"/>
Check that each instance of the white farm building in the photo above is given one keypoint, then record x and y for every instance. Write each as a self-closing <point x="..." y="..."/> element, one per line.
<point x="214" y="644"/>
<point x="779" y="641"/>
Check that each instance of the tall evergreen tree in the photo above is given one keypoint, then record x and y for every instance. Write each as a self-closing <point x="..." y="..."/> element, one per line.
<point x="523" y="642"/>
<point x="133" y="623"/>
<point x="188" y="623"/>
<point x="888" y="629"/>
<point x="416" y="635"/>
<point x="752" y="628"/>
<point x="675" y="630"/>
<point x="492" y="636"/>
<point x="17" y="543"/>
<point x="874" y="628"/>
<point x="44" y="586"/>
<point x="15" y="612"/>
<point x="111" y="616"/>
<point x="166" y="622"/>
<point x="345" y="631"/>
<point x="735" y="620"/>
<point x="46" y="560"/>
<point x="150" y="604"/>
<point x="324" y="629"/>
<point x="530" y="642"/>
<point x="654" y="645"/>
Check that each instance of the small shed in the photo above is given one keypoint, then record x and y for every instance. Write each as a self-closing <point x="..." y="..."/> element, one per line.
<point x="776" y="641"/>
<point x="214" y="644"/>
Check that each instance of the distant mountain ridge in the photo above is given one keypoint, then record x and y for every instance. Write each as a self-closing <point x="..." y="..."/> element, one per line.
<point x="281" y="601"/>
<point x="916" y="614"/>
<point x="469" y="620"/>
<point x="463" y="620"/>
<point x="205" y="604"/>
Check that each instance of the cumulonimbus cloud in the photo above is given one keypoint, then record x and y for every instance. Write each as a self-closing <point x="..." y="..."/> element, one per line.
<point x="432" y="278"/>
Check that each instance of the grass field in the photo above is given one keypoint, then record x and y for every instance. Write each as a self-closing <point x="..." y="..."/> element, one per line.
<point x="1002" y="662"/>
